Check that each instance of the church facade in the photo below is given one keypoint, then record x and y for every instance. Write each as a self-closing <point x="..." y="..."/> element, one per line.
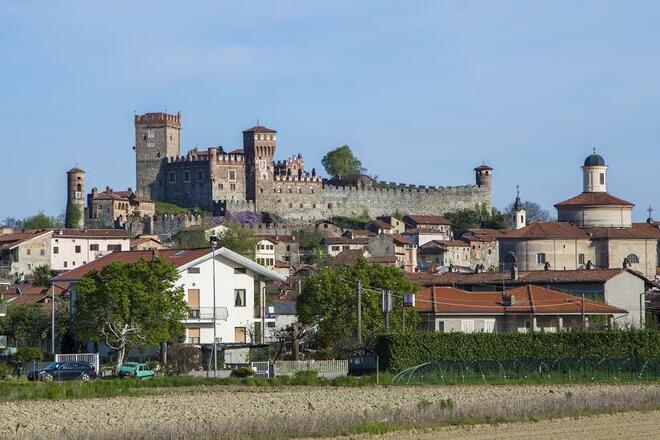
<point x="250" y="179"/>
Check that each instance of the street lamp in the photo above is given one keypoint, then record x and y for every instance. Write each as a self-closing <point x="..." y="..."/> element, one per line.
<point x="214" y="242"/>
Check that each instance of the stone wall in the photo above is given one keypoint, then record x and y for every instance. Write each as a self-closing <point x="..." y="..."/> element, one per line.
<point x="165" y="226"/>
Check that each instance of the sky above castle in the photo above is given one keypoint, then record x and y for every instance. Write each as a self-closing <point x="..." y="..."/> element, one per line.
<point x="422" y="91"/>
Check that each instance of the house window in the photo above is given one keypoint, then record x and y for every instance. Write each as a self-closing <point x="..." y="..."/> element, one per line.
<point x="467" y="325"/>
<point x="56" y="250"/>
<point x="633" y="259"/>
<point x="93" y="247"/>
<point x="114" y="247"/>
<point x="172" y="177"/>
<point x="29" y="251"/>
<point x="193" y="336"/>
<point x="232" y="175"/>
<point x="540" y="258"/>
<point x="221" y="186"/>
<point x="329" y="205"/>
<point x="78" y="249"/>
<point x="232" y="187"/>
<point x="580" y="258"/>
<point x="441" y="326"/>
<point x="239" y="334"/>
<point x="42" y="252"/>
<point x="186" y="176"/>
<point x="193" y="270"/>
<point x="239" y="297"/>
<point x="602" y="178"/>
<point x="65" y="265"/>
<point x="239" y="270"/>
<point x="200" y="176"/>
<point x="335" y="248"/>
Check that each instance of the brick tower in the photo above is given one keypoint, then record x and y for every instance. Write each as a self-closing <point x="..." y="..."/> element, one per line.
<point x="157" y="137"/>
<point x="259" y="145"/>
<point x="75" y="196"/>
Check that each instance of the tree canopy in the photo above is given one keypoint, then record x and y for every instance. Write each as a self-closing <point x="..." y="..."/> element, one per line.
<point x="42" y="275"/>
<point x="535" y="213"/>
<point x="328" y="302"/>
<point x="26" y="325"/>
<point x="130" y="305"/>
<point x="480" y="217"/>
<point x="342" y="162"/>
<point x="238" y="238"/>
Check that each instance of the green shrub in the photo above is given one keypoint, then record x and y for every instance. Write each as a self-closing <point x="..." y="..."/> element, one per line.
<point x="400" y="351"/>
<point x="309" y="377"/>
<point x="29" y="354"/>
<point x="242" y="372"/>
<point x="5" y="371"/>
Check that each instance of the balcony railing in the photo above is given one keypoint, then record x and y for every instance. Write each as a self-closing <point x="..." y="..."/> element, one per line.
<point x="192" y="340"/>
<point x="206" y="314"/>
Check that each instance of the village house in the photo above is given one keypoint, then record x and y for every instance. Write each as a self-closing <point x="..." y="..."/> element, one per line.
<point x="393" y="245"/>
<point x="111" y="208"/>
<point x="397" y="226"/>
<point x="620" y="288"/>
<point x="71" y="248"/>
<point x="526" y="308"/>
<point x="421" y="229"/>
<point x="147" y="242"/>
<point x="22" y="251"/>
<point x="437" y="254"/>
<point x="238" y="280"/>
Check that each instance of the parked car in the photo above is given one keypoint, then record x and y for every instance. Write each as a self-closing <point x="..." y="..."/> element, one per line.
<point x="136" y="370"/>
<point x="64" y="371"/>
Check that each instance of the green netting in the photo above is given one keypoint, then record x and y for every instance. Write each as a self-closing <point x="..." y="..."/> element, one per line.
<point x="532" y="370"/>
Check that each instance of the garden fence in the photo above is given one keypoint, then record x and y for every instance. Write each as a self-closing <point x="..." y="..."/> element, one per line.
<point x="333" y="367"/>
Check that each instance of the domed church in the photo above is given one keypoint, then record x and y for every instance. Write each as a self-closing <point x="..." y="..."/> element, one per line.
<point x="594" y="230"/>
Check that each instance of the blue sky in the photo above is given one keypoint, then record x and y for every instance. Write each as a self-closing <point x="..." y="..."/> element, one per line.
<point x="422" y="91"/>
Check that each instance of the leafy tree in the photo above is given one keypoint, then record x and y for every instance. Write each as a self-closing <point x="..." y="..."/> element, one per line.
<point x="130" y="305"/>
<point x="310" y="245"/>
<point x="342" y="162"/>
<point x="73" y="216"/>
<point x="328" y="302"/>
<point x="26" y="324"/>
<point x="26" y="355"/>
<point x="535" y="213"/>
<point x="480" y="217"/>
<point x="191" y="238"/>
<point x="42" y="275"/>
<point x="38" y="221"/>
<point x="12" y="222"/>
<point x="238" y="238"/>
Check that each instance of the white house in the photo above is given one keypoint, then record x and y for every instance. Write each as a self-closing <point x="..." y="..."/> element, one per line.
<point x="71" y="248"/>
<point x="239" y="285"/>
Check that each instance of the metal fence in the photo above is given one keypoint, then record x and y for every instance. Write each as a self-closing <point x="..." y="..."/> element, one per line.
<point x="555" y="370"/>
<point x="92" y="358"/>
<point x="332" y="367"/>
<point x="262" y="370"/>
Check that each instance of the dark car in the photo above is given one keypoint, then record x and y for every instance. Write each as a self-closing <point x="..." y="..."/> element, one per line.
<point x="64" y="371"/>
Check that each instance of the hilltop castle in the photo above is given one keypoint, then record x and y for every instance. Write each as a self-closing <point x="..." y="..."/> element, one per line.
<point x="249" y="179"/>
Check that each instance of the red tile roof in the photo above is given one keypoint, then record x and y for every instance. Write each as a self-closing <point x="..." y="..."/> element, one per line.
<point x="546" y="230"/>
<point x="8" y="241"/>
<point x="482" y="168"/>
<point x="594" y="199"/>
<point x="426" y="220"/>
<point x="383" y="260"/>
<point x="91" y="233"/>
<point x="637" y="231"/>
<point x="177" y="257"/>
<point x="528" y="299"/>
<point x="259" y="129"/>
<point x="346" y="240"/>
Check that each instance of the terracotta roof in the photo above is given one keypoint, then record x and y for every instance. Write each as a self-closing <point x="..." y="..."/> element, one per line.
<point x="177" y="257"/>
<point x="75" y="170"/>
<point x="482" y="167"/>
<point x="528" y="299"/>
<point x="383" y="260"/>
<point x="594" y="199"/>
<point x="282" y="264"/>
<point x="237" y="151"/>
<point x="546" y="230"/>
<point x="399" y="239"/>
<point x="259" y="129"/>
<point x="278" y="238"/>
<point x="636" y="231"/>
<point x="347" y="257"/>
<point x="426" y="220"/>
<point x="380" y="223"/>
<point x="495" y="279"/>
<point x="484" y="235"/>
<point x="139" y="241"/>
<point x="28" y="294"/>
<point x="91" y="233"/>
<point x="9" y="241"/>
<point x="346" y="240"/>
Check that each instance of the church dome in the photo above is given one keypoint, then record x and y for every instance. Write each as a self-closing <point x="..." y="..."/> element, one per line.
<point x="594" y="160"/>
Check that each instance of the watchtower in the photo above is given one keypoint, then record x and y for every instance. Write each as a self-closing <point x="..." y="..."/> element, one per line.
<point x="75" y="197"/>
<point x="259" y="145"/>
<point x="483" y="175"/>
<point x="157" y="137"/>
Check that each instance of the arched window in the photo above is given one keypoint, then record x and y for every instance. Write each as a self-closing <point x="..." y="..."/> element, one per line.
<point x="633" y="259"/>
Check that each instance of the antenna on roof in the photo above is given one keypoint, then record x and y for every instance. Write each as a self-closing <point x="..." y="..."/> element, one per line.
<point x="257" y="122"/>
<point x="594" y="150"/>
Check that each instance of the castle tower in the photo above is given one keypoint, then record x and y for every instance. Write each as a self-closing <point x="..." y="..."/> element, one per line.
<point x="259" y="145"/>
<point x="75" y="198"/>
<point x="594" y="174"/>
<point x="483" y="175"/>
<point x="157" y="137"/>
<point x="519" y="214"/>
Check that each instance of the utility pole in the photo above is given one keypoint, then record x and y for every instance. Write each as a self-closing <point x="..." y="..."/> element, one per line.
<point x="387" y="307"/>
<point x="262" y="299"/>
<point x="584" y="322"/>
<point x="359" y="312"/>
<point x="641" y="309"/>
<point x="295" y="346"/>
<point x="52" y="319"/>
<point x="403" y="315"/>
<point x="215" y="338"/>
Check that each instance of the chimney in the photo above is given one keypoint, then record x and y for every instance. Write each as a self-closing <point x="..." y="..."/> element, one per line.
<point x="508" y="300"/>
<point x="130" y="190"/>
<point x="514" y="272"/>
<point x="546" y="266"/>
<point x="477" y="269"/>
<point x="589" y="265"/>
<point x="626" y="264"/>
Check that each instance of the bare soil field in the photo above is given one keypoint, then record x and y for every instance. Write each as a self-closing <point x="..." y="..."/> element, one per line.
<point x="191" y="409"/>
<point x="620" y="426"/>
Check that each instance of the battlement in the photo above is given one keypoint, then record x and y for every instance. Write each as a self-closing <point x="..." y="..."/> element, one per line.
<point x="188" y="158"/>
<point x="305" y="178"/>
<point x="397" y="188"/>
<point x="296" y="158"/>
<point x="159" y="119"/>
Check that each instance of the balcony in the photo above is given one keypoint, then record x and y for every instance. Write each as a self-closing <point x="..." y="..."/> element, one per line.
<point x="205" y="314"/>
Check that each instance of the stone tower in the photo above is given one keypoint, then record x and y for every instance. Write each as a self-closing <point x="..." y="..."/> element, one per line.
<point x="157" y="137"/>
<point x="483" y="175"/>
<point x="519" y="213"/>
<point x="75" y="196"/>
<point x="259" y="145"/>
<point x="594" y="174"/>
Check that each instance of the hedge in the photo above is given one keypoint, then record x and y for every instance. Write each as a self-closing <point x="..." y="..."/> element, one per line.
<point x="400" y="351"/>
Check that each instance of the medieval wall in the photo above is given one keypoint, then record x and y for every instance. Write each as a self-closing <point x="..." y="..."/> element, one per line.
<point x="227" y="175"/>
<point x="187" y="181"/>
<point x="325" y="202"/>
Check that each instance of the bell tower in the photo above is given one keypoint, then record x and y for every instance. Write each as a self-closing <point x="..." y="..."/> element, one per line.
<point x="157" y="137"/>
<point x="594" y="174"/>
<point x="259" y="144"/>
<point x="75" y="198"/>
<point x="519" y="214"/>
